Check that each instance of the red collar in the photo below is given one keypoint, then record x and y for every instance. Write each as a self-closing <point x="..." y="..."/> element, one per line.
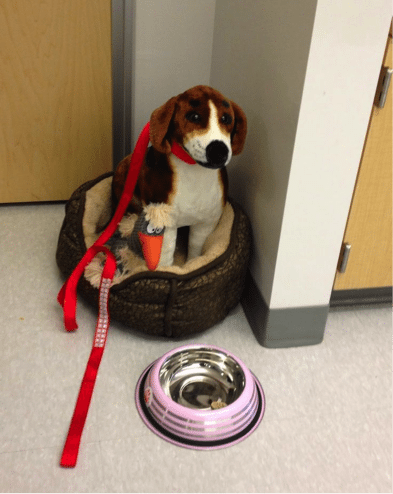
<point x="182" y="154"/>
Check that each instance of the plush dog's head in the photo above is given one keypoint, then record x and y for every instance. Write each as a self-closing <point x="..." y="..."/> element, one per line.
<point x="207" y="125"/>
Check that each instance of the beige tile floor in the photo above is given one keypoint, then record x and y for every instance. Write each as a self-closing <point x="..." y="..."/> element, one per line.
<point x="328" y="420"/>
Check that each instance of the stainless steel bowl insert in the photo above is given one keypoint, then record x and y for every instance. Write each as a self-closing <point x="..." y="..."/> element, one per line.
<point x="199" y="377"/>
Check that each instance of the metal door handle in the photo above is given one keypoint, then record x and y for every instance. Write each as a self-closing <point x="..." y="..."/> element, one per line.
<point x="385" y="87"/>
<point x="345" y="257"/>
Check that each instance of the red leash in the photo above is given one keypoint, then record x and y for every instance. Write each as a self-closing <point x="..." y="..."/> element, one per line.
<point x="71" y="447"/>
<point x="67" y="297"/>
<point x="67" y="294"/>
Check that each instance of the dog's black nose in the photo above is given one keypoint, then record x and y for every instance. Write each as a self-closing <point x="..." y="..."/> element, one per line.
<point x="217" y="153"/>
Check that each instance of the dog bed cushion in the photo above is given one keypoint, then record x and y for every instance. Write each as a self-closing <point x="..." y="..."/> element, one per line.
<point x="177" y="301"/>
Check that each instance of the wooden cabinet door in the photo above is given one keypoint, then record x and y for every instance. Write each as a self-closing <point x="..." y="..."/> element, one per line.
<point x="369" y="227"/>
<point x="55" y="97"/>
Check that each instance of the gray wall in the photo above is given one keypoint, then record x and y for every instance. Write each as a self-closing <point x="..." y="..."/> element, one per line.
<point x="173" y="41"/>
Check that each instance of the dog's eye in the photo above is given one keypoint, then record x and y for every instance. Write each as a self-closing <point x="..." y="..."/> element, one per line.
<point x="193" y="117"/>
<point x="226" y="119"/>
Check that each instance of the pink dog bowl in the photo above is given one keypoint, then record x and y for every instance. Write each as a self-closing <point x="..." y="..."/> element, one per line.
<point x="200" y="397"/>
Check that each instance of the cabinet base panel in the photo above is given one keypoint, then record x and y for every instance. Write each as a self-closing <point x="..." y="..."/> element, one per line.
<point x="362" y="297"/>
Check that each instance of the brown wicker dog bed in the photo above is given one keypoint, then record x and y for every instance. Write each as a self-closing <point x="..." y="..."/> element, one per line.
<point x="181" y="300"/>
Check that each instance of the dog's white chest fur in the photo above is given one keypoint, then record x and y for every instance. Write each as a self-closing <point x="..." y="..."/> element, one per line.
<point x="197" y="194"/>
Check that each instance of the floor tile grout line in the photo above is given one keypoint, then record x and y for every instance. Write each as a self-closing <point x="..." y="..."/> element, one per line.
<point x="38" y="448"/>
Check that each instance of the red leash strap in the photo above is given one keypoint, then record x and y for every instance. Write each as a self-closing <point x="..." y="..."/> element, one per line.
<point x="67" y="297"/>
<point x="71" y="447"/>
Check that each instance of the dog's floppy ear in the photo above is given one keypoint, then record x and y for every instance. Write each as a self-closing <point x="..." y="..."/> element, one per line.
<point x="238" y="136"/>
<point x="159" y="125"/>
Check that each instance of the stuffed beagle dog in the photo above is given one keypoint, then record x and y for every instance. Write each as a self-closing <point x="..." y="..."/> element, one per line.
<point x="193" y="137"/>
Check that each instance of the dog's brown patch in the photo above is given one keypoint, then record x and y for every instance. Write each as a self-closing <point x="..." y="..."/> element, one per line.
<point x="160" y="120"/>
<point x="156" y="179"/>
<point x="154" y="182"/>
<point x="239" y="132"/>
